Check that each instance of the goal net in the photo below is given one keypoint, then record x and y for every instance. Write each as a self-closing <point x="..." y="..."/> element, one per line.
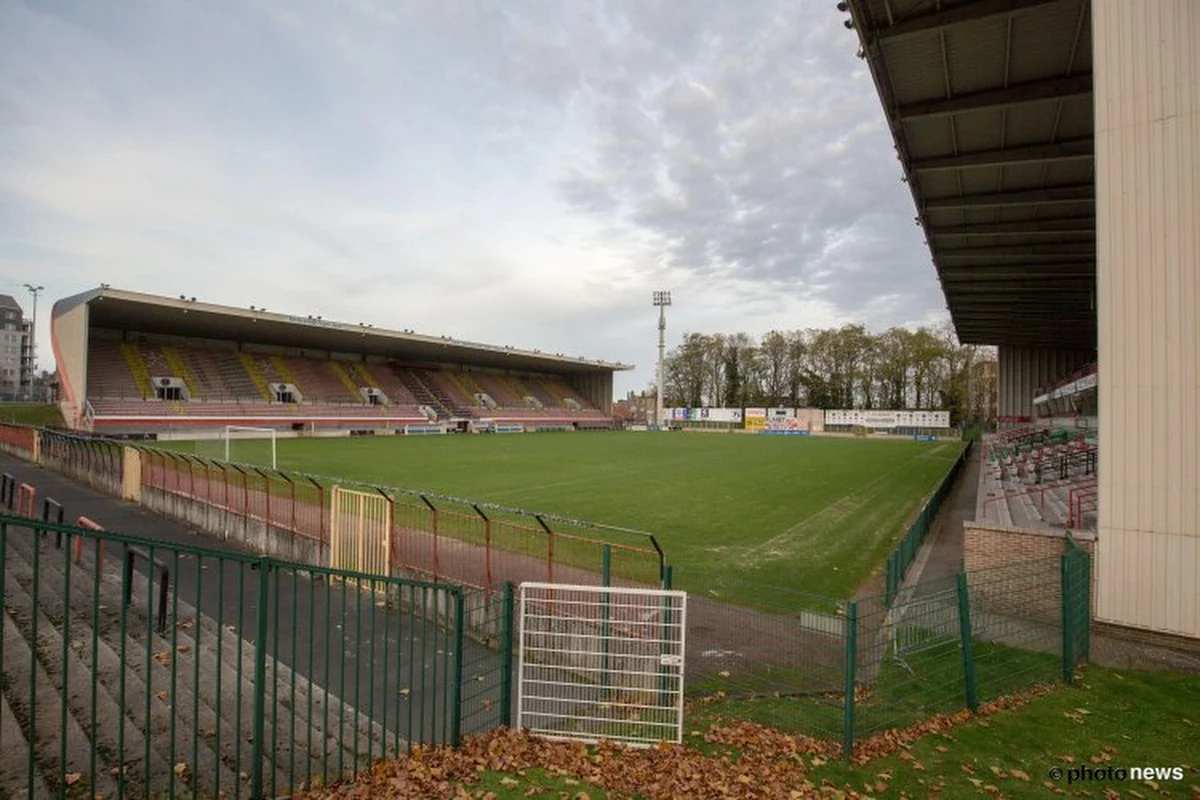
<point x="242" y="444"/>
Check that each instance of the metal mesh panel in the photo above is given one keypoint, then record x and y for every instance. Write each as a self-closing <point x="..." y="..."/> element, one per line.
<point x="602" y="663"/>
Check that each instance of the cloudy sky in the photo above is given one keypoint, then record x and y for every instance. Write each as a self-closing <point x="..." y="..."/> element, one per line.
<point x="517" y="172"/>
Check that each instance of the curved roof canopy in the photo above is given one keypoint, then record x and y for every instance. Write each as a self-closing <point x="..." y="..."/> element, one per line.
<point x="990" y="106"/>
<point x="144" y="313"/>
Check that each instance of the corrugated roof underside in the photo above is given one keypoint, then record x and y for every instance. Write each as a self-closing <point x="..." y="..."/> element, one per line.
<point x="992" y="114"/>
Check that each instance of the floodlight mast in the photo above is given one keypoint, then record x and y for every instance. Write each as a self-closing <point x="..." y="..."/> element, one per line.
<point x="32" y="375"/>
<point x="662" y="299"/>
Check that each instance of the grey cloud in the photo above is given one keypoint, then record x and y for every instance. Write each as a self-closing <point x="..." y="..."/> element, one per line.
<point x="758" y="157"/>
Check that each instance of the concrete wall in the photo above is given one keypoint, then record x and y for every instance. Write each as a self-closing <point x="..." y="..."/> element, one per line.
<point x="249" y="532"/>
<point x="1147" y="89"/>
<point x="68" y="337"/>
<point x="1023" y="369"/>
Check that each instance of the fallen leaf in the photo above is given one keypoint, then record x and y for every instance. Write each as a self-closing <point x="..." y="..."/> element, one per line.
<point x="72" y="778"/>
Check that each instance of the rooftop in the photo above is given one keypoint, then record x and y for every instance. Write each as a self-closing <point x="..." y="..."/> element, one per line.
<point x="120" y="309"/>
<point x="990" y="107"/>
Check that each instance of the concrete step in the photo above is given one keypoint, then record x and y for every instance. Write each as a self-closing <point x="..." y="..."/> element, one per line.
<point x="147" y="712"/>
<point x="73" y="673"/>
<point x="14" y="759"/>
<point x="1055" y="507"/>
<point x="24" y="673"/>
<point x="332" y="734"/>
<point x="206" y="678"/>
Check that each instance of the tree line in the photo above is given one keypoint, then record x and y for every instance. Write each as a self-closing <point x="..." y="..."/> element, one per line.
<point x="845" y="367"/>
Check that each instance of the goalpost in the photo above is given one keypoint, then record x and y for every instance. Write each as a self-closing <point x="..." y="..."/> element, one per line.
<point x="263" y="452"/>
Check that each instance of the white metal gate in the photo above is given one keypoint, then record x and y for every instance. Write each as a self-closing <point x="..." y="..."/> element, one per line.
<point x="360" y="531"/>
<point x="601" y="663"/>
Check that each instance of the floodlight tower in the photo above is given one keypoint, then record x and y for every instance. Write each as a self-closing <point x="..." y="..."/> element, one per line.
<point x="662" y="299"/>
<point x="33" y="290"/>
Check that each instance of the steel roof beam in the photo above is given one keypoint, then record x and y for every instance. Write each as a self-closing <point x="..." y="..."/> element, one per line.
<point x="1027" y="197"/>
<point x="990" y="281"/>
<point x="964" y="12"/>
<point x="1034" y="266"/>
<point x="976" y="251"/>
<point x="1032" y="227"/>
<point x="1017" y="307"/>
<point x="1036" y="153"/>
<point x="1015" y="94"/>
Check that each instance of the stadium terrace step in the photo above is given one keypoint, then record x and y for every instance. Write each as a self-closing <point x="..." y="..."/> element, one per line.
<point x="1054" y="508"/>
<point x="179" y="369"/>
<point x="73" y="671"/>
<point x="14" y="761"/>
<point x="156" y="718"/>
<point x="137" y="368"/>
<point x="257" y="379"/>
<point x="22" y="670"/>
<point x="343" y="376"/>
<point x="188" y="691"/>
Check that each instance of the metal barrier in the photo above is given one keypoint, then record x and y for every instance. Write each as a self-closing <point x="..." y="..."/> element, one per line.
<point x="26" y="500"/>
<point x="264" y="677"/>
<point x="503" y="544"/>
<point x="902" y="557"/>
<point x="52" y="511"/>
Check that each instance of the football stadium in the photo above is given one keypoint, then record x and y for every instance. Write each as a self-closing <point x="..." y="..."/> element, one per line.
<point x="273" y="547"/>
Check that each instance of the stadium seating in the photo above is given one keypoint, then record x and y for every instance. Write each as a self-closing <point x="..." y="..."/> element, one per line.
<point x="501" y="391"/>
<point x="230" y="387"/>
<point x="1038" y="478"/>
<point x="108" y="373"/>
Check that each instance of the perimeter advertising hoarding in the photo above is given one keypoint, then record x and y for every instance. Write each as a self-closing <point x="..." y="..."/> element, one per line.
<point x="756" y="419"/>
<point x="733" y="415"/>
<point x="878" y="418"/>
<point x="788" y="425"/>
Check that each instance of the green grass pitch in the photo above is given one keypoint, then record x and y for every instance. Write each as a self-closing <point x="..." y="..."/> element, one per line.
<point x="817" y="514"/>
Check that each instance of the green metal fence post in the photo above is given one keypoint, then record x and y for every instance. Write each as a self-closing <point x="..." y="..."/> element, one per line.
<point x="456" y="700"/>
<point x="891" y="579"/>
<point x="1068" y="634"/>
<point x="968" y="642"/>
<point x="506" y="656"/>
<point x="260" y="679"/>
<point x="851" y="680"/>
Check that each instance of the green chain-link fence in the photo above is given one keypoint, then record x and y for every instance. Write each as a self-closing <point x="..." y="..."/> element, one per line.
<point x="905" y="552"/>
<point x="881" y="663"/>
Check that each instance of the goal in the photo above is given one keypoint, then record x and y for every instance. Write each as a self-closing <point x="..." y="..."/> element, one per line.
<point x="249" y="445"/>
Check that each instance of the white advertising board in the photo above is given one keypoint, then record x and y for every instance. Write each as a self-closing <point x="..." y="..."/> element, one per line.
<point x="879" y="418"/>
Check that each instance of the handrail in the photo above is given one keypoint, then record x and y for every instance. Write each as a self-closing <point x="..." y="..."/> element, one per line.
<point x="164" y="581"/>
<point x="132" y="552"/>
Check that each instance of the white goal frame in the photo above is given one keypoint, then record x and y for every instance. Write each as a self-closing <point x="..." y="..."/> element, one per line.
<point x="229" y="429"/>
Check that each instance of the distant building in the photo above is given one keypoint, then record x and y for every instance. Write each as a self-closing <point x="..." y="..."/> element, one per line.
<point x="16" y="353"/>
<point x="636" y="409"/>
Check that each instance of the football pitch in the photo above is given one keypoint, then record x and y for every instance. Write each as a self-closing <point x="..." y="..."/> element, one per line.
<point x="814" y="514"/>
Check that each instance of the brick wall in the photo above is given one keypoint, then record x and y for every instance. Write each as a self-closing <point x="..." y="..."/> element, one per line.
<point x="996" y="550"/>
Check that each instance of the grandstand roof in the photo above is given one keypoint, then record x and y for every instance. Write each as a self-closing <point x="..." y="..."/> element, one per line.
<point x="990" y="106"/>
<point x="125" y="310"/>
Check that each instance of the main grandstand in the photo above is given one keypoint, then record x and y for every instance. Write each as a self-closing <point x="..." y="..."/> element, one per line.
<point x="138" y="363"/>
<point x="1051" y="148"/>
